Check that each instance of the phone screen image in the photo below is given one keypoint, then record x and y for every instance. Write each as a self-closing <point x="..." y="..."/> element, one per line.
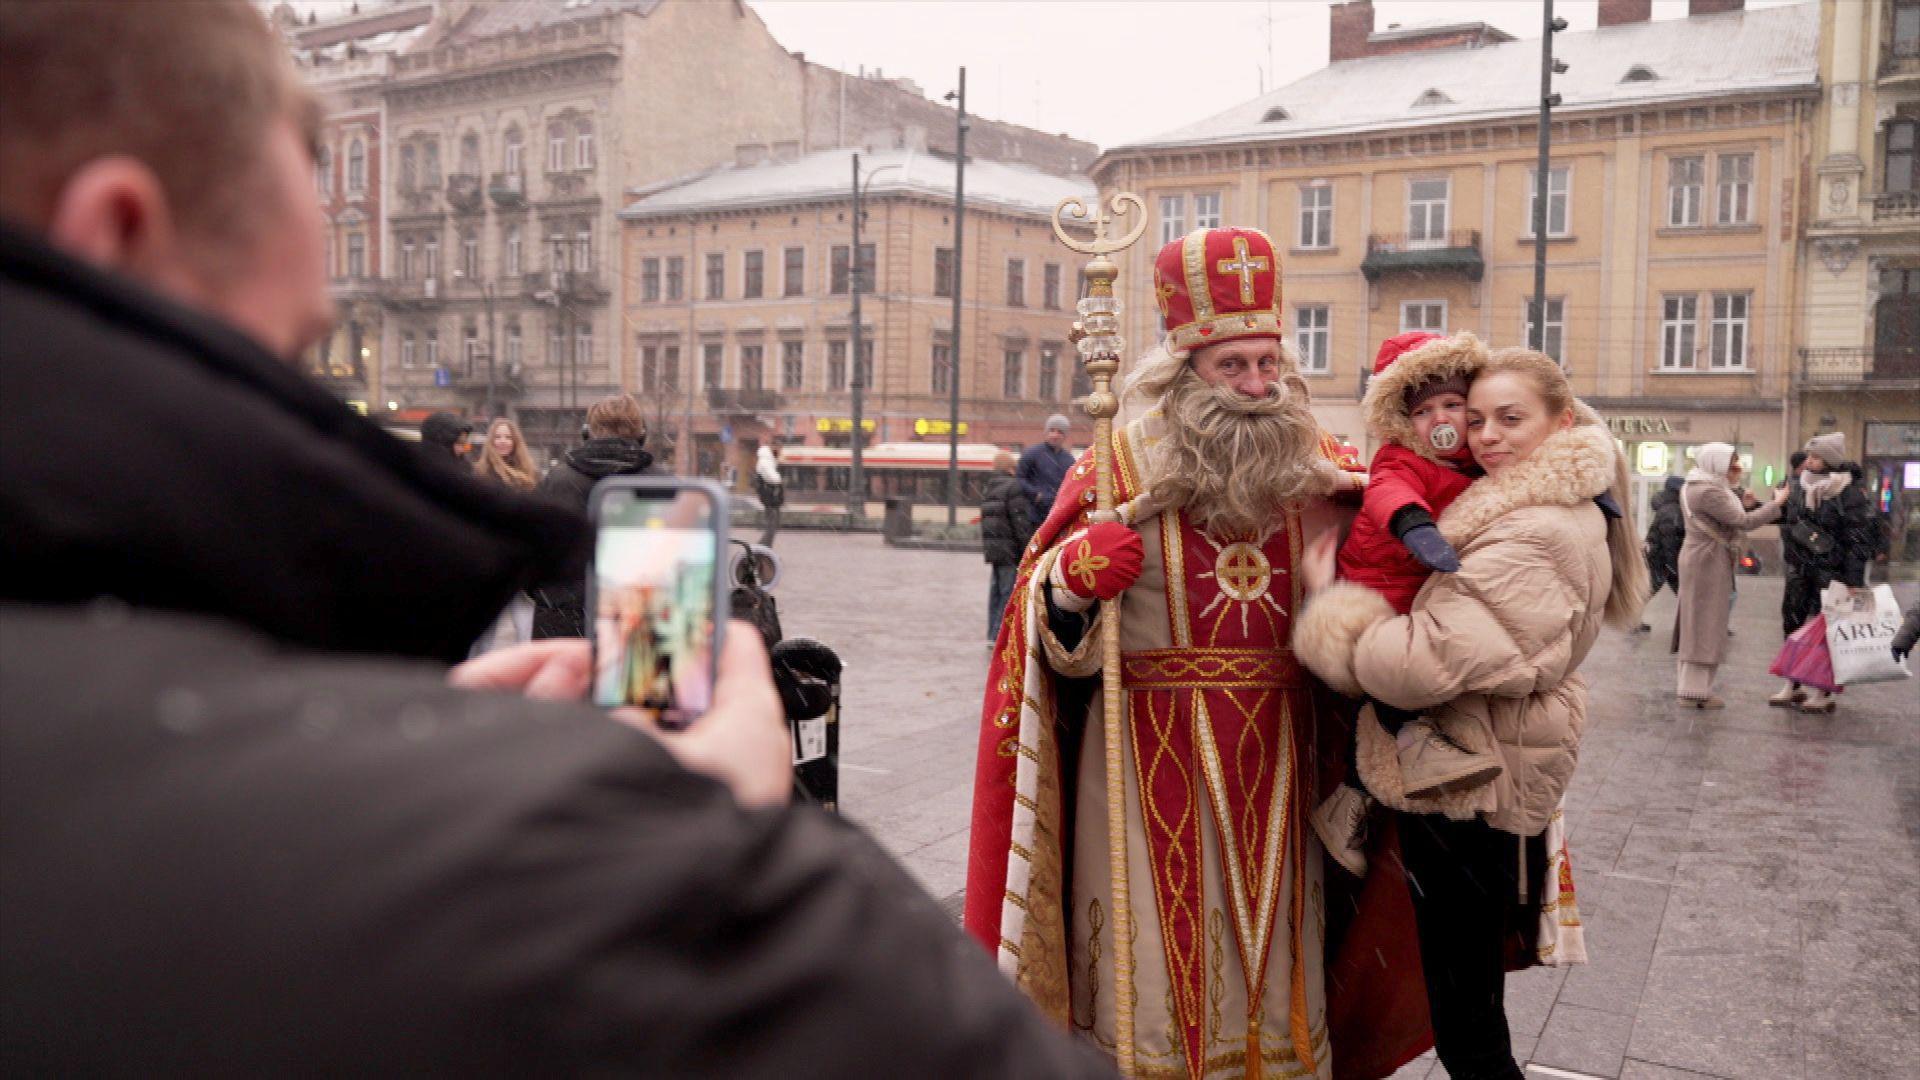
<point x="655" y="557"/>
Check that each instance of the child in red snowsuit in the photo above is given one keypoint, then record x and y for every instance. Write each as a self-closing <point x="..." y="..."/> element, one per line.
<point x="1416" y="407"/>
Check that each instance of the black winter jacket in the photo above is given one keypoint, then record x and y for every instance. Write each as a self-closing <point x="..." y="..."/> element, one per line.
<point x="245" y="830"/>
<point x="1847" y="518"/>
<point x="1665" y="533"/>
<point x="559" y="606"/>
<point x="1005" y="520"/>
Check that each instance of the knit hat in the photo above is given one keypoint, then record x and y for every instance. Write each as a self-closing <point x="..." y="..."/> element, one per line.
<point x="1448" y="384"/>
<point x="1830" y="447"/>
<point x="444" y="429"/>
<point x="1057" y="422"/>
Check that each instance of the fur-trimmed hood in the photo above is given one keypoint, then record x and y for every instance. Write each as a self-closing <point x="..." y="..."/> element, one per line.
<point x="1569" y="468"/>
<point x="1385" y="403"/>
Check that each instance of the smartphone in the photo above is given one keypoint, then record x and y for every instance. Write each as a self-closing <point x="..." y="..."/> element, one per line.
<point x="655" y="589"/>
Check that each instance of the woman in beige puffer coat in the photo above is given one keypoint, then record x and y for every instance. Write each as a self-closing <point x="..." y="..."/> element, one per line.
<point x="1489" y="654"/>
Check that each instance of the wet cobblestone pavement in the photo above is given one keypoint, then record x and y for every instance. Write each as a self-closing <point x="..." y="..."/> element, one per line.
<point x="1748" y="877"/>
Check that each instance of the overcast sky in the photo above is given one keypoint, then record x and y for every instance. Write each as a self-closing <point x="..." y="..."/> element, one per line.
<point x="1108" y="71"/>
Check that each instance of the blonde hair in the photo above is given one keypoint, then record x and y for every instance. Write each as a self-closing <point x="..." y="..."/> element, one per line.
<point x="516" y="470"/>
<point x="1628" y="591"/>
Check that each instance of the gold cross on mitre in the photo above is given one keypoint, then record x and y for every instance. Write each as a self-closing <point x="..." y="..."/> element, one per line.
<point x="1245" y="264"/>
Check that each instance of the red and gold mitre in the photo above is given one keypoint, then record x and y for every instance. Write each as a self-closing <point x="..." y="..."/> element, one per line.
<point x="1217" y="285"/>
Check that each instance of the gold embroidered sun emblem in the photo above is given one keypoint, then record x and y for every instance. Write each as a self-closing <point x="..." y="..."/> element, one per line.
<point x="1243" y="572"/>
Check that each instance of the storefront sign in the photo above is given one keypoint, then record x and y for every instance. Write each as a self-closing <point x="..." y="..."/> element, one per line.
<point x="839" y="425"/>
<point x="1893" y="440"/>
<point x="1627" y="427"/>
<point x="925" y="426"/>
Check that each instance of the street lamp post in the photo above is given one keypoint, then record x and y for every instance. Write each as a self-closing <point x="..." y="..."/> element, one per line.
<point x="1549" y="67"/>
<point x="856" y="477"/>
<point x="959" y="97"/>
<point x="492" y="349"/>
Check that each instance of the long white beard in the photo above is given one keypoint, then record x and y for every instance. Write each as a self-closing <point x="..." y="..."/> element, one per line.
<point x="1233" y="463"/>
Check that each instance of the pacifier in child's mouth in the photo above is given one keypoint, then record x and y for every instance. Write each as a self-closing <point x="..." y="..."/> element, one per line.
<point x="1444" y="436"/>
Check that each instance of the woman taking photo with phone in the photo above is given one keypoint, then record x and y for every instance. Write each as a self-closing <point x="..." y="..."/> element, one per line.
<point x="1490" y="653"/>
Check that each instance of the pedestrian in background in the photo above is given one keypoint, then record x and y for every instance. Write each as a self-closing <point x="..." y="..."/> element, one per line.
<point x="1006" y="524"/>
<point x="1665" y="533"/>
<point x="1044" y="465"/>
<point x="615" y="446"/>
<point x="444" y="433"/>
<point x="771" y="487"/>
<point x="505" y="458"/>
<point x="1824" y="529"/>
<point x="1716" y="535"/>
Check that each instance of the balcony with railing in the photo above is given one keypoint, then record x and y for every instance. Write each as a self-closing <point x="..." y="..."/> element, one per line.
<point x="412" y="294"/>
<point x="463" y="192"/>
<point x="1453" y="252"/>
<point x="742" y="401"/>
<point x="1900" y="60"/>
<point x="1896" y="206"/>
<point x="1864" y="367"/>
<point x="506" y="378"/>
<point x="508" y="190"/>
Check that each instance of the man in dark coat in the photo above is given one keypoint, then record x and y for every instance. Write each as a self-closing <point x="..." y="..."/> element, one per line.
<point x="1043" y="467"/>
<point x="446" y="434"/>
<point x="1665" y="533"/>
<point x="615" y="446"/>
<point x="246" y="827"/>
<point x="1006" y="525"/>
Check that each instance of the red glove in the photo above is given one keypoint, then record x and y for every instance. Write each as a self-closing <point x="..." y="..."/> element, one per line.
<point x="1100" y="561"/>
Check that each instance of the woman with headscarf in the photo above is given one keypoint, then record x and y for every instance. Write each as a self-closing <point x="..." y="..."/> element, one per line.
<point x="1716" y="531"/>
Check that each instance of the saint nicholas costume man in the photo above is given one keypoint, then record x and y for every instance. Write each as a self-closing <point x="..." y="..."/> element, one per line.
<point x="1227" y="740"/>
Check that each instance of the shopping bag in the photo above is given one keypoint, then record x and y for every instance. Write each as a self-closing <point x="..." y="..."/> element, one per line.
<point x="1562" y="939"/>
<point x="1861" y="624"/>
<point x="1804" y="657"/>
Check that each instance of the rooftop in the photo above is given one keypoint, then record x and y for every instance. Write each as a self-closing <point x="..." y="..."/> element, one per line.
<point x="490" y="17"/>
<point x="1771" y="49"/>
<point x="828" y="176"/>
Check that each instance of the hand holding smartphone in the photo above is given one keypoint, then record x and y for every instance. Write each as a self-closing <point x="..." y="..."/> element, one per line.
<point x="654" y="589"/>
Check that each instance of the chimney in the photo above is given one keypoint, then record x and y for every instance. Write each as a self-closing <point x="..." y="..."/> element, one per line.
<point x="1622" y="12"/>
<point x="1713" y="7"/>
<point x="1347" y="30"/>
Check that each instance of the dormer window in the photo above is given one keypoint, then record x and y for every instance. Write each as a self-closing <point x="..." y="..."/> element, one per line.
<point x="1432" y="97"/>
<point x="1639" y="73"/>
<point x="1275" y="115"/>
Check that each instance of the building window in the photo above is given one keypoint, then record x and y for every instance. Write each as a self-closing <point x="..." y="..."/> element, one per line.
<point x="940" y="378"/>
<point x="583" y="146"/>
<point x="670" y="368"/>
<point x="356" y="255"/>
<point x="1428" y="315"/>
<point x="1686" y="178"/>
<point x="711" y="362"/>
<point x="470" y="347"/>
<point x="470" y="154"/>
<point x="1898" y="175"/>
<point x="716" y="276"/>
<point x="510" y="157"/>
<point x="512" y="259"/>
<point x="583" y="251"/>
<point x="1678" y="318"/>
<point x="1206" y="211"/>
<point x="1313" y="337"/>
<point x="1082" y="382"/>
<point x="405" y="269"/>
<point x="1173" y="218"/>
<point x="1016" y="283"/>
<point x="323" y="172"/>
<point x="433" y="348"/>
<point x="1013" y="377"/>
<point x="430" y="162"/>
<point x="1559" y="182"/>
<point x="754" y="275"/>
<point x="943" y="271"/>
<point x="649" y="368"/>
<point x="409" y="169"/>
<point x="470" y="257"/>
<point x="556" y="252"/>
<point x="1553" y="341"/>
<point x="409" y="355"/>
<point x="841" y="270"/>
<point x="1049" y="387"/>
<point x="1050" y="287"/>
<point x="1427" y="211"/>
<point x="676" y="277"/>
<point x="513" y="350"/>
<point x="793" y="365"/>
<point x="582" y="345"/>
<point x="1735" y="205"/>
<point x="794" y="273"/>
<point x="836" y="365"/>
<point x="1316" y="216"/>
<point x="1727" y="347"/>
<point x="356" y="167"/>
<point x="649" y="281"/>
<point x="430" y="258"/>
<point x="556" y="148"/>
<point x="752" y="366"/>
<point x="556" y="345"/>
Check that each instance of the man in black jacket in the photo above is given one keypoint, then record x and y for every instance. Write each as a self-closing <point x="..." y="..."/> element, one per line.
<point x="615" y="446"/>
<point x="1006" y="524"/>
<point x="1665" y="533"/>
<point x="246" y="827"/>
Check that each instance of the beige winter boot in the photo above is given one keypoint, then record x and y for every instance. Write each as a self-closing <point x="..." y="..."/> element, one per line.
<point x="1788" y="696"/>
<point x="1341" y="824"/>
<point x="1433" y="764"/>
<point x="1819" y="702"/>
